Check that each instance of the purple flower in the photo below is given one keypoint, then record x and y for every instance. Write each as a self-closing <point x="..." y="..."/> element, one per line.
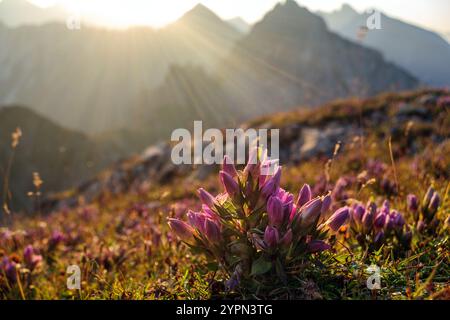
<point x="181" y="229"/>
<point x="428" y="196"/>
<point x="229" y="167"/>
<point x="229" y="183"/>
<point x="338" y="219"/>
<point x="380" y="220"/>
<point x="311" y="212"/>
<point x="326" y="204"/>
<point x="31" y="258"/>
<point x="434" y="202"/>
<point x="272" y="185"/>
<point x="212" y="231"/>
<point x="369" y="216"/>
<point x="398" y="219"/>
<point x="197" y="220"/>
<point x="10" y="269"/>
<point x="275" y="211"/>
<point x="358" y="213"/>
<point x="206" y="198"/>
<point x="315" y="246"/>
<point x="56" y="238"/>
<point x="412" y="203"/>
<point x="304" y="195"/>
<point x="271" y="237"/>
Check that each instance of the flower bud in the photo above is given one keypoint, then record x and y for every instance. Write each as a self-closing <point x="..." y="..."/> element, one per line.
<point x="412" y="203"/>
<point x="326" y="204"/>
<point x="380" y="220"/>
<point x="197" y="220"/>
<point x="421" y="226"/>
<point x="338" y="219"/>
<point x="428" y="196"/>
<point x="229" y="183"/>
<point x="369" y="216"/>
<point x="229" y="167"/>
<point x="275" y="211"/>
<point x="434" y="203"/>
<point x="310" y="212"/>
<point x="399" y="221"/>
<point x="271" y="237"/>
<point x="212" y="231"/>
<point x="181" y="229"/>
<point x="358" y="213"/>
<point x="31" y="258"/>
<point x="272" y="185"/>
<point x="304" y="195"/>
<point x="206" y="198"/>
<point x="386" y="207"/>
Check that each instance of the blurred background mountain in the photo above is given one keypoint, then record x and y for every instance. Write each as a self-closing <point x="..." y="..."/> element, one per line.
<point x="422" y="52"/>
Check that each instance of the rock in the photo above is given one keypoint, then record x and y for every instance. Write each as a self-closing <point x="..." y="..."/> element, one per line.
<point x="315" y="142"/>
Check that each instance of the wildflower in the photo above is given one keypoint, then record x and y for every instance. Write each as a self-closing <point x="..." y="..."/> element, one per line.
<point x="271" y="237"/>
<point x="229" y="167"/>
<point x="304" y="195"/>
<point x="31" y="258"/>
<point x="257" y="223"/>
<point x="326" y="204"/>
<point x="181" y="229"/>
<point x="272" y="185"/>
<point x="310" y="212"/>
<point x="358" y="213"/>
<point x="275" y="211"/>
<point x="206" y="198"/>
<point x="229" y="184"/>
<point x="434" y="203"/>
<point x="338" y="219"/>
<point x="212" y="231"/>
<point x="412" y="203"/>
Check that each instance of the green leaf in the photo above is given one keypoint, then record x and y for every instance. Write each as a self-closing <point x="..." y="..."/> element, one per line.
<point x="261" y="266"/>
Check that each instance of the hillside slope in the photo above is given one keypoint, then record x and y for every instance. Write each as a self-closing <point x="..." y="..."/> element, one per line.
<point x="62" y="157"/>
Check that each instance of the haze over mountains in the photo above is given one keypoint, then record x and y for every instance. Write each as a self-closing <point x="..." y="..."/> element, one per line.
<point x="111" y="93"/>
<point x="422" y="52"/>
<point x="87" y="79"/>
<point x="14" y="13"/>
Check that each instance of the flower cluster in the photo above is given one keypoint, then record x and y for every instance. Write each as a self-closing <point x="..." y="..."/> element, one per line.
<point x="374" y="226"/>
<point x="255" y="227"/>
<point x="425" y="213"/>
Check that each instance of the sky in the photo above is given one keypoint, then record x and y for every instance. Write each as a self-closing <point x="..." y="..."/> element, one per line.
<point x="432" y="14"/>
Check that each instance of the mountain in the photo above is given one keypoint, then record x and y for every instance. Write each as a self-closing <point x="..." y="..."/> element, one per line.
<point x="188" y="93"/>
<point x="18" y="12"/>
<point x="62" y="157"/>
<point x="290" y="58"/>
<point x="240" y="24"/>
<point x="423" y="53"/>
<point x="88" y="79"/>
<point x="446" y="36"/>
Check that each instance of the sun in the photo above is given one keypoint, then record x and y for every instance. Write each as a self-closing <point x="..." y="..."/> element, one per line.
<point x="126" y="13"/>
<point x="120" y="13"/>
